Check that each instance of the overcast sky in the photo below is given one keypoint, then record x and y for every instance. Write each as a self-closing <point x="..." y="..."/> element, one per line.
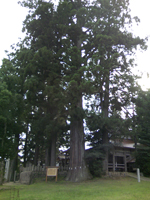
<point x="12" y="16"/>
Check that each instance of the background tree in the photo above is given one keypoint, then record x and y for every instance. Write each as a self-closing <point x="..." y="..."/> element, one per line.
<point x="71" y="28"/>
<point x="94" y="46"/>
<point x="110" y="63"/>
<point x="76" y="50"/>
<point x="39" y="57"/>
<point x="6" y="137"/>
<point x="143" y="132"/>
<point x="12" y="113"/>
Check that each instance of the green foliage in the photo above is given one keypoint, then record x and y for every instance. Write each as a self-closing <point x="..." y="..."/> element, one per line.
<point x="114" y="125"/>
<point x="76" y="49"/>
<point x="38" y="60"/>
<point x="94" y="158"/>
<point x="143" y="160"/>
<point x="6" y="123"/>
<point x="143" y="132"/>
<point x="109" y="70"/>
<point x="95" y="167"/>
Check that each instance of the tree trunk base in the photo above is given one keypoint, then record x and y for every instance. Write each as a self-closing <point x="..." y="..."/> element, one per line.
<point x="78" y="174"/>
<point x="1" y="172"/>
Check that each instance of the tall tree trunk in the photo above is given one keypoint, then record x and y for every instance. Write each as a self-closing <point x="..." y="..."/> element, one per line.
<point x="36" y="156"/>
<point x="1" y="171"/>
<point x="105" y="139"/>
<point x="47" y="156"/>
<point x="105" y="145"/>
<point x="12" y="169"/>
<point x="53" y="151"/>
<point x="2" y="160"/>
<point x="25" y="152"/>
<point x="14" y="162"/>
<point x="25" y="147"/>
<point x="78" y="170"/>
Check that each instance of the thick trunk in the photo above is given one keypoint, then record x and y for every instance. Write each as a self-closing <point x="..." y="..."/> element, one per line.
<point x="36" y="157"/>
<point x="1" y="172"/>
<point x="47" y="156"/>
<point x="78" y="170"/>
<point x="13" y="168"/>
<point x="50" y="153"/>
<point x="2" y="160"/>
<point x="105" y="139"/>
<point x="105" y="144"/>
<point x="14" y="161"/>
<point x="53" y="151"/>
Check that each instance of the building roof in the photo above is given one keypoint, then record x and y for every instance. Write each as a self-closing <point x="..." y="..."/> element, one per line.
<point x="126" y="143"/>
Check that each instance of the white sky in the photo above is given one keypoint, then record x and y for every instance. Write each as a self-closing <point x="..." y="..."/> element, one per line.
<point x="12" y="16"/>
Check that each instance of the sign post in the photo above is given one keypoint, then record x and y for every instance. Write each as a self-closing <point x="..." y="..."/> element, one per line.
<point x="138" y="174"/>
<point x="52" y="171"/>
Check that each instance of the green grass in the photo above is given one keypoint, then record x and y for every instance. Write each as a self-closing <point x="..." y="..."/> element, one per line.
<point x="96" y="189"/>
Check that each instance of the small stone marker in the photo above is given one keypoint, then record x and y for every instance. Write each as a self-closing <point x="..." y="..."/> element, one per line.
<point x="52" y="171"/>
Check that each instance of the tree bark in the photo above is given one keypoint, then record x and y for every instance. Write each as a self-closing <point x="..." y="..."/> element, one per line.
<point x="25" y="147"/>
<point x="53" y="151"/>
<point x="13" y="167"/>
<point x="2" y="160"/>
<point x="1" y="171"/>
<point x="50" y="153"/>
<point x="14" y="161"/>
<point x="36" y="157"/>
<point x="78" y="170"/>
<point x="105" y="139"/>
<point x="47" y="156"/>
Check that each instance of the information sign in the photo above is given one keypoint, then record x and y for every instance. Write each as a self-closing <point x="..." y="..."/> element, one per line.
<point x="51" y="171"/>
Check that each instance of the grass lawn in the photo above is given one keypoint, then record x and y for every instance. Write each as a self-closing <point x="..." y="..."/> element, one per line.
<point x="96" y="189"/>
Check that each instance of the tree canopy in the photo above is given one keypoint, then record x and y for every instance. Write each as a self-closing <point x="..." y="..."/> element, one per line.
<point x="143" y="132"/>
<point x="77" y="50"/>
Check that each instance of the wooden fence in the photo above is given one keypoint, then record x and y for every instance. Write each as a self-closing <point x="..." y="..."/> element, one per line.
<point x="33" y="168"/>
<point x="41" y="169"/>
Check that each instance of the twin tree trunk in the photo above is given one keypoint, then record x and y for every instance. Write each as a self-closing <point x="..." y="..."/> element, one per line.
<point x="78" y="170"/>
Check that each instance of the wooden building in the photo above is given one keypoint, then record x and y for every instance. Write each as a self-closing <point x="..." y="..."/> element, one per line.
<point x="120" y="159"/>
<point x="121" y="156"/>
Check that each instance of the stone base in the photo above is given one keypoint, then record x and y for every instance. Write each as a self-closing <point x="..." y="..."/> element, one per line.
<point x="26" y="177"/>
<point x="116" y="173"/>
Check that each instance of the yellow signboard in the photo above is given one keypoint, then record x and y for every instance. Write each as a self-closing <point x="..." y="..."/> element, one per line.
<point x="52" y="171"/>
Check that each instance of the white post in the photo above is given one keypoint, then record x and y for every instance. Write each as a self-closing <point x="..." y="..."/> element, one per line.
<point x="138" y="174"/>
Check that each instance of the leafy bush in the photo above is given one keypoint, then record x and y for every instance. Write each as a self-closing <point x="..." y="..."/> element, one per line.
<point x="143" y="160"/>
<point x="95" y="167"/>
<point x="94" y="158"/>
